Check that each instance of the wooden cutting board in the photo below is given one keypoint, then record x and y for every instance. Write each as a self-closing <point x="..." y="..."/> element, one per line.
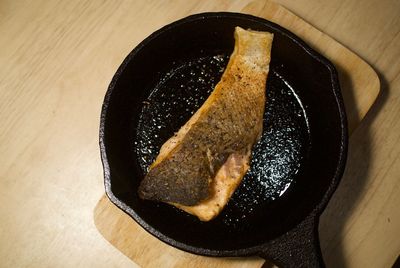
<point x="360" y="87"/>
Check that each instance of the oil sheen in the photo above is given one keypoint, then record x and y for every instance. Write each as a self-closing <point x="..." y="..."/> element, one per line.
<point x="276" y="158"/>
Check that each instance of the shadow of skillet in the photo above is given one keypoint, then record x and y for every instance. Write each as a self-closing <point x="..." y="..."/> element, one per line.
<point x="352" y="185"/>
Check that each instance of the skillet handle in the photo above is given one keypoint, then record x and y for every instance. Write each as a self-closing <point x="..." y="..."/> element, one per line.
<point x="297" y="248"/>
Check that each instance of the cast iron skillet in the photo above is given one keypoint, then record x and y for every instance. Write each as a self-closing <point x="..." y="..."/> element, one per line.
<point x="295" y="168"/>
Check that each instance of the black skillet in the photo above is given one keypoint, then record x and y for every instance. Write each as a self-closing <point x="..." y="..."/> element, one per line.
<point x="296" y="166"/>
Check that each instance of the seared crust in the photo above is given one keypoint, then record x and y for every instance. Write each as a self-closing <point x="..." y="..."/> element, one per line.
<point x="229" y="122"/>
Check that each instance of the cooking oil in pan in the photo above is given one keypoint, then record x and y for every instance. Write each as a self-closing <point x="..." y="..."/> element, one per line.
<point x="276" y="158"/>
<point x="174" y="99"/>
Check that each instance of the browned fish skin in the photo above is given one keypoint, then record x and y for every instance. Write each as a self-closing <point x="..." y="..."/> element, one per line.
<point x="230" y="121"/>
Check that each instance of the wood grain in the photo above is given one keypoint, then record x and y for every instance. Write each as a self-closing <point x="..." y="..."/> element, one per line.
<point x="56" y="60"/>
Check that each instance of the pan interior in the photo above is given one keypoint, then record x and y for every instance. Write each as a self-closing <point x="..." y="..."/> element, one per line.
<point x="276" y="160"/>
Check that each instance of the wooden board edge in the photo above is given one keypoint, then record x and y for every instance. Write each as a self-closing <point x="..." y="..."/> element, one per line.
<point x="307" y="32"/>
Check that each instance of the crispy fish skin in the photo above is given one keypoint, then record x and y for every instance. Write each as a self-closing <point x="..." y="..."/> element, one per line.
<point x="210" y="154"/>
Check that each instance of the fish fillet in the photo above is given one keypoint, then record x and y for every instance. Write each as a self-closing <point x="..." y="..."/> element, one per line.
<point x="199" y="168"/>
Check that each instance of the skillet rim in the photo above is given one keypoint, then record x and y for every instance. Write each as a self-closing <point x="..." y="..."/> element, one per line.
<point x="318" y="209"/>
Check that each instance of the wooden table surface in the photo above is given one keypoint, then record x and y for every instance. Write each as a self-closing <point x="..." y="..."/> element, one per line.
<point x="56" y="60"/>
